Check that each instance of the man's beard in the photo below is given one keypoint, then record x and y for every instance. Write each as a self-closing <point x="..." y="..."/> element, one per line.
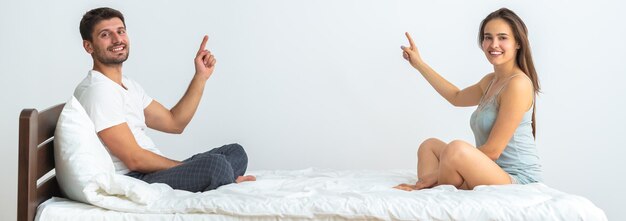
<point x="101" y="56"/>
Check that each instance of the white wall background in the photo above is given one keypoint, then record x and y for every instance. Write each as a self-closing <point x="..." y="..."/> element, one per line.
<point x="322" y="83"/>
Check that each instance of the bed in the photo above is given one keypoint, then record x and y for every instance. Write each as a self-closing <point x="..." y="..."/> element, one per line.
<point x="306" y="194"/>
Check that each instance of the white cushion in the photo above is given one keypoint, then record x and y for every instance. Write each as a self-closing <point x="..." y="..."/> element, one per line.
<point x="78" y="153"/>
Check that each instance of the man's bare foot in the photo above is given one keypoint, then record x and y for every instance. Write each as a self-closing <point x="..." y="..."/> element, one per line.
<point x="245" y="178"/>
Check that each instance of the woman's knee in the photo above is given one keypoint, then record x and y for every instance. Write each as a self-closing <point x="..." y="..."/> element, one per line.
<point x="429" y="145"/>
<point x="455" y="150"/>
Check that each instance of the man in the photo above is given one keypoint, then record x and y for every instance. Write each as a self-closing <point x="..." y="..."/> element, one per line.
<point x="121" y="111"/>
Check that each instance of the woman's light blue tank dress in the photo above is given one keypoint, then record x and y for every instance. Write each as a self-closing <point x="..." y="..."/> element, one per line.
<point x="520" y="158"/>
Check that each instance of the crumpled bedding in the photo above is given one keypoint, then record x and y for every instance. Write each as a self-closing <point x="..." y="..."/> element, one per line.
<point x="347" y="194"/>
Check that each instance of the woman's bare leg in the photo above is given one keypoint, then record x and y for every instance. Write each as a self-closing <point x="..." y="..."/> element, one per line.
<point x="427" y="163"/>
<point x="465" y="166"/>
<point x="428" y="156"/>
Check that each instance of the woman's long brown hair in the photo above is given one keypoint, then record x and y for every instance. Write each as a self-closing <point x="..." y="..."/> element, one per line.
<point x="523" y="58"/>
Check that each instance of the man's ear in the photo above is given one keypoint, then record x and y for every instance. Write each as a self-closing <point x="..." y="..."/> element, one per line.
<point x="88" y="46"/>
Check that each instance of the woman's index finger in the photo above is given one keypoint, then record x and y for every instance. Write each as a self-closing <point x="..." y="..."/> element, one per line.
<point x="408" y="36"/>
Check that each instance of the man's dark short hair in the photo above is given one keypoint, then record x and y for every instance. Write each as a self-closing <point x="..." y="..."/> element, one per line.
<point x="93" y="17"/>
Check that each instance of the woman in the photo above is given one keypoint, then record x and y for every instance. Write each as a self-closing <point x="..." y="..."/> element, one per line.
<point x="503" y="124"/>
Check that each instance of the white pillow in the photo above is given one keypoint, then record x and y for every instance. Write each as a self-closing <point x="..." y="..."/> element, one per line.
<point x="78" y="153"/>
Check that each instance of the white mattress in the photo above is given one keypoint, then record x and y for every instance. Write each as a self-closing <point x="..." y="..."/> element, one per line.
<point x="322" y="195"/>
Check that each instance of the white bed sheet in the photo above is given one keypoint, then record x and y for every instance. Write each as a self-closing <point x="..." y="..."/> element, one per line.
<point x="322" y="195"/>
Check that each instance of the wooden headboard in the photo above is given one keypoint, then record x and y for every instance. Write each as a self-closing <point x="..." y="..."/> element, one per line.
<point x="36" y="159"/>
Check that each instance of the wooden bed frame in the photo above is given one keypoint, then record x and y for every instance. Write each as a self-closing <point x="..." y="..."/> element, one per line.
<point x="36" y="159"/>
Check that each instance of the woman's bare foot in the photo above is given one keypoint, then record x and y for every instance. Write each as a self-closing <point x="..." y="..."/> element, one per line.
<point x="245" y="178"/>
<point x="405" y="187"/>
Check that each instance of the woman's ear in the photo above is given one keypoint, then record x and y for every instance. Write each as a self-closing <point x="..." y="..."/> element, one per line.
<point x="88" y="46"/>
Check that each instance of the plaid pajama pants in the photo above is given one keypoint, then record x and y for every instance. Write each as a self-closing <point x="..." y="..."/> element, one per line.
<point x="203" y="171"/>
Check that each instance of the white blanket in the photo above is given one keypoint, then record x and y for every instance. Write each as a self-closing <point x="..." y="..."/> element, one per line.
<point x="355" y="194"/>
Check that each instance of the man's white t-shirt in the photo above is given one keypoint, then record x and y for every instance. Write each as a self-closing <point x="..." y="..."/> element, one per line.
<point x="109" y="104"/>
